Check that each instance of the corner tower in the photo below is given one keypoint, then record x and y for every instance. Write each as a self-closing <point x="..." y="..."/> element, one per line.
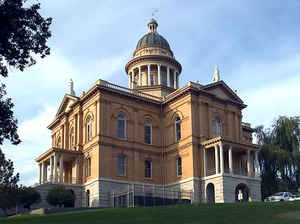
<point x="153" y="68"/>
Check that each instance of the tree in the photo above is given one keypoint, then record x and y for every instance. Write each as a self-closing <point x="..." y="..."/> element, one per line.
<point x="59" y="196"/>
<point x="29" y="196"/>
<point x="24" y="32"/>
<point x="279" y="157"/>
<point x="8" y="182"/>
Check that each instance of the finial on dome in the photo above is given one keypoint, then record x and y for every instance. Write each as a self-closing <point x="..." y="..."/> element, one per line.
<point x="152" y="25"/>
<point x="216" y="75"/>
<point x="71" y="85"/>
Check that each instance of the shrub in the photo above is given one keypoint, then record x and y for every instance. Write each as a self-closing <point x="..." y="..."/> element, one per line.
<point x="59" y="196"/>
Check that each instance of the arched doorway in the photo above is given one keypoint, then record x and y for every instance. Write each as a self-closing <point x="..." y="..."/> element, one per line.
<point x="242" y="193"/>
<point x="88" y="198"/>
<point x="70" y="199"/>
<point x="210" y="193"/>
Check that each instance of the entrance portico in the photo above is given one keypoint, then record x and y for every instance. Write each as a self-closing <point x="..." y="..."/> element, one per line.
<point x="227" y="165"/>
<point x="222" y="156"/>
<point x="59" y="166"/>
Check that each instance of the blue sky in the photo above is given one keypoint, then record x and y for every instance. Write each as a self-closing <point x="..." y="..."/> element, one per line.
<point x="255" y="43"/>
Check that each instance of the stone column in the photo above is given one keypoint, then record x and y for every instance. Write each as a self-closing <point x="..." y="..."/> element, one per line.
<point x="149" y="82"/>
<point x="256" y="164"/>
<point x="175" y="81"/>
<point x="249" y="162"/>
<point x="40" y="174"/>
<point x="61" y="169"/>
<point x="221" y="158"/>
<point x="55" y="168"/>
<point x="168" y="76"/>
<point x="216" y="159"/>
<point x="64" y="143"/>
<point x="43" y="172"/>
<point x="77" y="171"/>
<point x="140" y="76"/>
<point x="129" y="80"/>
<point x="158" y="72"/>
<point x="230" y="159"/>
<point x="204" y="163"/>
<point x="51" y="169"/>
<point x="132" y="78"/>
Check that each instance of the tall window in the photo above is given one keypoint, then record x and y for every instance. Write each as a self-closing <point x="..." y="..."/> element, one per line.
<point x="121" y="126"/>
<point x="88" y="198"/>
<point x="59" y="145"/>
<point x="179" y="166"/>
<point x="148" y="169"/>
<point x="88" y="128"/>
<point x="217" y="127"/>
<point x="88" y="167"/>
<point x="177" y="129"/>
<point x="121" y="165"/>
<point x="151" y="79"/>
<point x="164" y="80"/>
<point x="148" y="133"/>
<point x="72" y="137"/>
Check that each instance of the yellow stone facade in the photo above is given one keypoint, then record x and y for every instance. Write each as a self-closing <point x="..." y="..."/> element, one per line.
<point x="200" y="124"/>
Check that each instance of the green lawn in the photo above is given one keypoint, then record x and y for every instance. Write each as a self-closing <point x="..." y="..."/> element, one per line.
<point x="254" y="213"/>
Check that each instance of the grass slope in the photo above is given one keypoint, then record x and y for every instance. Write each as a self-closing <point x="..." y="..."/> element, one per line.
<point x="266" y="213"/>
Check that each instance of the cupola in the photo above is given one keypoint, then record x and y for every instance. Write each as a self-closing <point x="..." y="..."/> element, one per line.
<point x="153" y="68"/>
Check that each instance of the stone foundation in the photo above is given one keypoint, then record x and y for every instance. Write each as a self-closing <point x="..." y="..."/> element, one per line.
<point x="102" y="190"/>
<point x="225" y="187"/>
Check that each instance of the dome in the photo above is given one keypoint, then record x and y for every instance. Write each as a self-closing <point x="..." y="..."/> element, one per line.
<point x="152" y="40"/>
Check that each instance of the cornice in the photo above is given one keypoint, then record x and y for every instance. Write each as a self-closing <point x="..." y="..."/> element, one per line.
<point x="159" y="58"/>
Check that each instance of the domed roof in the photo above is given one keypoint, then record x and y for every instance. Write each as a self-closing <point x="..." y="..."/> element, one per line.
<point x="153" y="40"/>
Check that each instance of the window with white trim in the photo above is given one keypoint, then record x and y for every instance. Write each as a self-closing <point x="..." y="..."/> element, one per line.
<point x="121" y="126"/>
<point x="179" y="166"/>
<point x="88" y="128"/>
<point x="177" y="128"/>
<point x="72" y="137"/>
<point x="148" y="133"/>
<point x="148" y="169"/>
<point x="121" y="165"/>
<point x="59" y="143"/>
<point x="217" y="127"/>
<point x="88" y="167"/>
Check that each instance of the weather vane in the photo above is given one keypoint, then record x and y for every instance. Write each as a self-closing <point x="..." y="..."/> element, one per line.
<point x="154" y="11"/>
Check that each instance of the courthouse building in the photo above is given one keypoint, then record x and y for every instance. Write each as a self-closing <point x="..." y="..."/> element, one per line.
<point x="153" y="134"/>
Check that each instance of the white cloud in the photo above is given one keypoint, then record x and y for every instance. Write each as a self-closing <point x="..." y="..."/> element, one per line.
<point x="267" y="102"/>
<point x="35" y="140"/>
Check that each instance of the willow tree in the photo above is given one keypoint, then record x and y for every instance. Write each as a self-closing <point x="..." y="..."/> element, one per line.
<point x="279" y="155"/>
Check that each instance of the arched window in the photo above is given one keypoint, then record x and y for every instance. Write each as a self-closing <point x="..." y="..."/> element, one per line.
<point x="217" y="127"/>
<point x="148" y="132"/>
<point x="121" y="165"/>
<point x="179" y="166"/>
<point x="59" y="145"/>
<point x="121" y="126"/>
<point x="72" y="137"/>
<point x="88" y="126"/>
<point x="177" y="128"/>
<point x="148" y="169"/>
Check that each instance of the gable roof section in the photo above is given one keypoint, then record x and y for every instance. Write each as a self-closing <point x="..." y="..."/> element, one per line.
<point x="66" y="103"/>
<point x="222" y="90"/>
